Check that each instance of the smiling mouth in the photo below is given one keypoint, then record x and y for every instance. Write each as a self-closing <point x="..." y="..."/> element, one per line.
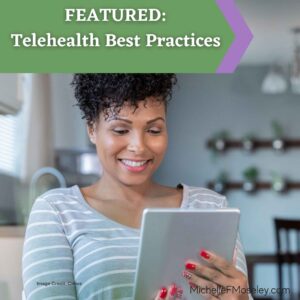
<point x="134" y="163"/>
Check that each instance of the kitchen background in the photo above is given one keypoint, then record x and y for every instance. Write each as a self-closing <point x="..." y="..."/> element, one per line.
<point x="47" y="130"/>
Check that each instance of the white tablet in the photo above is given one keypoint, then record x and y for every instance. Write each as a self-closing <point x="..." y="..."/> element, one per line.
<point x="170" y="237"/>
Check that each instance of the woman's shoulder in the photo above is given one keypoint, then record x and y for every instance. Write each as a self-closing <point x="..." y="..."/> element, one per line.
<point x="61" y="206"/>
<point x="200" y="197"/>
<point x="56" y="197"/>
<point x="58" y="193"/>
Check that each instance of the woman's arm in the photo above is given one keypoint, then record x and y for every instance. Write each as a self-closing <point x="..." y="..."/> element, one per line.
<point x="239" y="260"/>
<point x="47" y="256"/>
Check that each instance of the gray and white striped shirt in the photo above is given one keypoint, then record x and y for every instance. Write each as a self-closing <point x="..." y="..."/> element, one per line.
<point x="72" y="251"/>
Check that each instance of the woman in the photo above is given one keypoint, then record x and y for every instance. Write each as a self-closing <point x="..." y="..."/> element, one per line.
<point x="83" y="243"/>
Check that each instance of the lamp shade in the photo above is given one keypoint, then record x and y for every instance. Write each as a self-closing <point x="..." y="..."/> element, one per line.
<point x="274" y="82"/>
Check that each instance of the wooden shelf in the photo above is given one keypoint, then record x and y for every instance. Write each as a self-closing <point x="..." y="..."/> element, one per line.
<point x="259" y="185"/>
<point x="257" y="143"/>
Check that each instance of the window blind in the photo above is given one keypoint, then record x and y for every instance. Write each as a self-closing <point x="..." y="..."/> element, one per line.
<point x="8" y="150"/>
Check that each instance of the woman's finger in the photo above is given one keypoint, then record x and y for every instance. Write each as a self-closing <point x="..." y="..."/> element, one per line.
<point x="174" y="292"/>
<point x="208" y="273"/>
<point x="171" y="293"/>
<point x="202" y="286"/>
<point x="162" y="294"/>
<point x="220" y="263"/>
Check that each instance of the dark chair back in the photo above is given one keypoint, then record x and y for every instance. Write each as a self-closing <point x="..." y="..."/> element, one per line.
<point x="288" y="256"/>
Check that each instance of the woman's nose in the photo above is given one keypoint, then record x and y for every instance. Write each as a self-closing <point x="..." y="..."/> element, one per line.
<point x="136" y="143"/>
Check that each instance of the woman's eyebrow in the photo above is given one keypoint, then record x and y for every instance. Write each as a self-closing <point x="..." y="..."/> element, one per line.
<point x="156" y="119"/>
<point x="130" y="122"/>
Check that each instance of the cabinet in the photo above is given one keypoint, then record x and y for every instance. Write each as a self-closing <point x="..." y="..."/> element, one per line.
<point x="11" y="245"/>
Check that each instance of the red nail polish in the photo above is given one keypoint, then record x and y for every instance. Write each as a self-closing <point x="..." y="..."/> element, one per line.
<point x="186" y="275"/>
<point x="163" y="293"/>
<point x="173" y="291"/>
<point x="179" y="293"/>
<point x="204" y="254"/>
<point x="190" y="266"/>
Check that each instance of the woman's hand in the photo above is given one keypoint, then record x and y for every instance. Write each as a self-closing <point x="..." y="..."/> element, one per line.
<point x="219" y="280"/>
<point x="171" y="293"/>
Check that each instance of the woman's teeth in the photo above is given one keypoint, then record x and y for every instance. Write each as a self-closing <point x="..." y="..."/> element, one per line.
<point x="134" y="163"/>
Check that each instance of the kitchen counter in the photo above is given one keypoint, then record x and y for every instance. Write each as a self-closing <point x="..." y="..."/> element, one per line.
<point x="12" y="231"/>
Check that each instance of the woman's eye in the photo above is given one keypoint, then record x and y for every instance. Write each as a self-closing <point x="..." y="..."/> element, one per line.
<point x="120" y="131"/>
<point x="154" y="131"/>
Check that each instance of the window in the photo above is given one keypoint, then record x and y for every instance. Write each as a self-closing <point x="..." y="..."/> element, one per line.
<point x="8" y="145"/>
<point x="13" y="129"/>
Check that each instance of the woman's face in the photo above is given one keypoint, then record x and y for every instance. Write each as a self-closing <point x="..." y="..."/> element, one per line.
<point x="132" y="144"/>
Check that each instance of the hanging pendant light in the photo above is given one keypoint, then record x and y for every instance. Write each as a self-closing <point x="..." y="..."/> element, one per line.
<point x="275" y="82"/>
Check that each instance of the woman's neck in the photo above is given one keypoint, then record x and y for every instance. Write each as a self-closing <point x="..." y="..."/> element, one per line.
<point x="137" y="195"/>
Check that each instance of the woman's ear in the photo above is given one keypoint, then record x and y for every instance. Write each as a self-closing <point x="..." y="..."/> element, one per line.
<point x="91" y="133"/>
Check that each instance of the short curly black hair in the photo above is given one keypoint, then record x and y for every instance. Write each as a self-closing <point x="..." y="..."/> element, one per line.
<point x="107" y="93"/>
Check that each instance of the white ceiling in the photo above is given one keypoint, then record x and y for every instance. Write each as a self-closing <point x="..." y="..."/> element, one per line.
<point x="270" y="22"/>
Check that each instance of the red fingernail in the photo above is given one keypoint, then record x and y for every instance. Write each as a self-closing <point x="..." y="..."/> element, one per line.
<point x="173" y="291"/>
<point x="163" y="293"/>
<point x="186" y="275"/>
<point x="204" y="254"/>
<point x="179" y="293"/>
<point x="190" y="266"/>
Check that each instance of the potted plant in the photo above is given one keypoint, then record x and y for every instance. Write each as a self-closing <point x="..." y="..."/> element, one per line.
<point x="248" y="142"/>
<point x="219" y="140"/>
<point x="220" y="182"/>
<point x="278" y="143"/>
<point x="278" y="182"/>
<point x="250" y="178"/>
